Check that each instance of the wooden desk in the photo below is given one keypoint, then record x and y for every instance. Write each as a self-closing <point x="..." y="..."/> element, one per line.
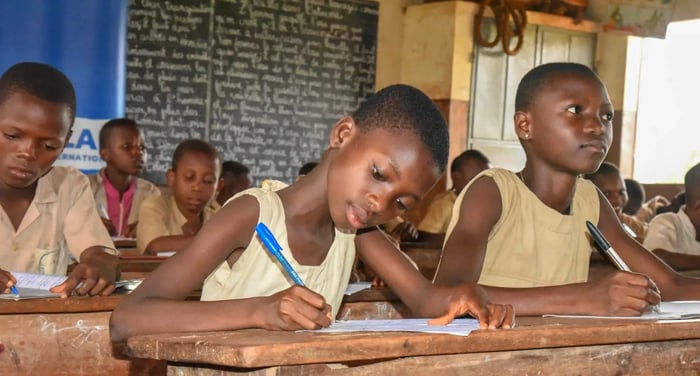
<point x="71" y="336"/>
<point x="539" y="346"/>
<point x="63" y="337"/>
<point x="136" y="266"/>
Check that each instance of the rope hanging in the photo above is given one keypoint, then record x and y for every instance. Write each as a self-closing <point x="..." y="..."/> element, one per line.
<point x="510" y="19"/>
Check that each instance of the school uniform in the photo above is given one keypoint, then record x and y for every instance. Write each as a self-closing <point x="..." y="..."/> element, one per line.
<point x="127" y="212"/>
<point x="257" y="273"/>
<point x="531" y="244"/>
<point x="60" y="222"/>
<point x="160" y="216"/>
<point x="439" y="213"/>
<point x="673" y="232"/>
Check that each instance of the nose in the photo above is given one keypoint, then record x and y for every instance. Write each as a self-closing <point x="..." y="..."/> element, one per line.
<point x="596" y="125"/>
<point x="28" y="150"/>
<point x="196" y="186"/>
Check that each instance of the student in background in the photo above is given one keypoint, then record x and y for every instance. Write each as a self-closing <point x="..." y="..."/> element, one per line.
<point x="380" y="162"/>
<point x="236" y="178"/>
<point x="305" y="169"/>
<point x="117" y="189"/>
<point x="608" y="179"/>
<point x="674" y="236"/>
<point x="638" y="206"/>
<point x="48" y="213"/>
<point x="170" y="221"/>
<point x="529" y="244"/>
<point x="434" y="224"/>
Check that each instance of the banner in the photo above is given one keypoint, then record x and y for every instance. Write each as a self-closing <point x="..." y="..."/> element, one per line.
<point x="86" y="40"/>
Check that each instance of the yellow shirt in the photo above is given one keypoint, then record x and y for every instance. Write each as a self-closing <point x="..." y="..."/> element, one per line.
<point x="160" y="216"/>
<point x="439" y="213"/>
<point x="533" y="245"/>
<point x="60" y="222"/>
<point x="257" y="273"/>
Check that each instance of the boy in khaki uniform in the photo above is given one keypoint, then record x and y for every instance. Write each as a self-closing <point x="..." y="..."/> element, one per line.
<point x="47" y="212"/>
<point x="169" y="221"/>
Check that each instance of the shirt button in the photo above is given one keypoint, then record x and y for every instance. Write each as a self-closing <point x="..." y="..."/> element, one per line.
<point x="14" y="246"/>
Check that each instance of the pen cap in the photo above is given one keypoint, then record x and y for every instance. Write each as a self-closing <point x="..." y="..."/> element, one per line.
<point x="600" y="242"/>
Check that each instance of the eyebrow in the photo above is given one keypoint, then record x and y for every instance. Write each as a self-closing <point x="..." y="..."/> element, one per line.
<point x="395" y="166"/>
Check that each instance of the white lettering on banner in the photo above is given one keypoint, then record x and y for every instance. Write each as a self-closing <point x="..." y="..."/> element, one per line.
<point x="83" y="149"/>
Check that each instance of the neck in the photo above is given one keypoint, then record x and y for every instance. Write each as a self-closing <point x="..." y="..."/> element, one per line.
<point x="119" y="180"/>
<point x="10" y="194"/>
<point x="306" y="201"/>
<point x="554" y="188"/>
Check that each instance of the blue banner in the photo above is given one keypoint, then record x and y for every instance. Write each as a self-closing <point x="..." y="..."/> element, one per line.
<point x="86" y="40"/>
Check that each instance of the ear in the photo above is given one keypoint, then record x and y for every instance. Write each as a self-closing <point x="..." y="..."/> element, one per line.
<point x="219" y="186"/>
<point x="104" y="154"/>
<point x="170" y="177"/>
<point x="521" y="120"/>
<point x="342" y="131"/>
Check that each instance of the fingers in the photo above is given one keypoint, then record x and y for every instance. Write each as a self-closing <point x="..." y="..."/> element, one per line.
<point x="501" y="316"/>
<point x="632" y="294"/>
<point x="7" y="280"/>
<point x="301" y="307"/>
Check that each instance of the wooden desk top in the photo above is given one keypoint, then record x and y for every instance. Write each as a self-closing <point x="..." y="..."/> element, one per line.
<point x="260" y="348"/>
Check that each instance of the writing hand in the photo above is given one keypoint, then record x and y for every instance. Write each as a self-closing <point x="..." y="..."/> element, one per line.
<point x="621" y="294"/>
<point x="7" y="280"/>
<point x="471" y="299"/>
<point x="295" y="308"/>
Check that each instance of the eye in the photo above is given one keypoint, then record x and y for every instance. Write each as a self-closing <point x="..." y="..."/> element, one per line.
<point x="51" y="147"/>
<point x="10" y="136"/>
<point x="400" y="205"/>
<point x="608" y="116"/>
<point x="574" y="109"/>
<point x="376" y="174"/>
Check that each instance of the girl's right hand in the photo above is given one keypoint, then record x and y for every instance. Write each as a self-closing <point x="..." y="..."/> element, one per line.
<point x="293" y="309"/>
<point x="7" y="280"/>
<point x="621" y="294"/>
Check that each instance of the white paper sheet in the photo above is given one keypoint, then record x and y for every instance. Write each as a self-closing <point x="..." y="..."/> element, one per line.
<point x="357" y="287"/>
<point x="460" y="327"/>
<point x="29" y="293"/>
<point x="675" y="310"/>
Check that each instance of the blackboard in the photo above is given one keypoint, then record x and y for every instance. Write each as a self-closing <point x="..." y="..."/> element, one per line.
<point x="263" y="81"/>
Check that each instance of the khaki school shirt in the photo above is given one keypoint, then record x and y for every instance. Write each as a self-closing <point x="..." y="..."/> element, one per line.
<point x="143" y="189"/>
<point x="60" y="222"/>
<point x="160" y="216"/>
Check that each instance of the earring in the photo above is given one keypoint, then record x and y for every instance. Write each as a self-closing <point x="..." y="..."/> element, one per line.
<point x="527" y="135"/>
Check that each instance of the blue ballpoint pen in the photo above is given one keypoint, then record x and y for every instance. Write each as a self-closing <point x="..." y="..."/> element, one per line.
<point x="14" y="290"/>
<point x="275" y="249"/>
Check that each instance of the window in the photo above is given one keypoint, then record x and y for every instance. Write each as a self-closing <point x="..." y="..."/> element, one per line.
<point x="667" y="142"/>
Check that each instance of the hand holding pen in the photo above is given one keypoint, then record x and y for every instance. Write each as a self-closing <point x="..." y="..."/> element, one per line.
<point x="296" y="307"/>
<point x="609" y="253"/>
<point x="8" y="281"/>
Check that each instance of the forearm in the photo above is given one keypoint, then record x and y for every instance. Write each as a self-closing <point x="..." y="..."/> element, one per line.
<point x="170" y="243"/>
<point x="537" y="301"/>
<point x="678" y="261"/>
<point x="159" y="315"/>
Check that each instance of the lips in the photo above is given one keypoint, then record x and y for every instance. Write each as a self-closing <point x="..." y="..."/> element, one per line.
<point x="21" y="173"/>
<point x="357" y="217"/>
<point x="598" y="146"/>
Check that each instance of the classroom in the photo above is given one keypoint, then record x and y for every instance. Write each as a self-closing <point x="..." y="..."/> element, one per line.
<point x="247" y="95"/>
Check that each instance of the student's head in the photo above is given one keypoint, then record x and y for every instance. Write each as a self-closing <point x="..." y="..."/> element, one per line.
<point x="37" y="110"/>
<point x="305" y="169"/>
<point x="236" y="177"/>
<point x="194" y="175"/>
<point x="563" y="117"/>
<point x="636" y="196"/>
<point x="609" y="181"/>
<point x="122" y="146"/>
<point x="692" y="194"/>
<point x="466" y="166"/>
<point x="385" y="157"/>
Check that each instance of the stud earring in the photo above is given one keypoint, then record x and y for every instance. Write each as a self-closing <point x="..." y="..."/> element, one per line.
<point x="527" y="135"/>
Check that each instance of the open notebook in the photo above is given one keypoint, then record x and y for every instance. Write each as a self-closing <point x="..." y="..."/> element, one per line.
<point x="36" y="286"/>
